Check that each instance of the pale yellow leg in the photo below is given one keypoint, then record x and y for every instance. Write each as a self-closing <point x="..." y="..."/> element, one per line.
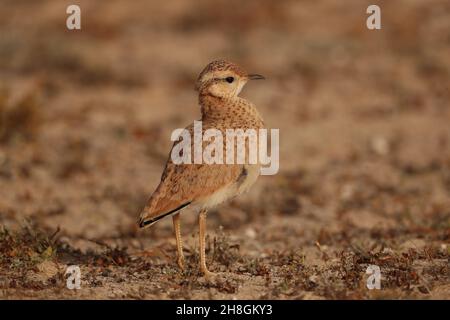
<point x="202" y="235"/>
<point x="177" y="229"/>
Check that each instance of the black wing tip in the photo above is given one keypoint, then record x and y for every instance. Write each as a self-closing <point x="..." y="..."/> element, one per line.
<point x="146" y="223"/>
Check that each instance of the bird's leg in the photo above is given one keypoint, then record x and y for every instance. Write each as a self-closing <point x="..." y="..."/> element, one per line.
<point x="177" y="229"/>
<point x="202" y="234"/>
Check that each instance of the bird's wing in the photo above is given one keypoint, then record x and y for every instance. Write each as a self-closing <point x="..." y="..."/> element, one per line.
<point x="182" y="184"/>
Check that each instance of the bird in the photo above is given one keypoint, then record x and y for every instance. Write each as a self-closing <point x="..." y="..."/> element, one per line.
<point x="205" y="186"/>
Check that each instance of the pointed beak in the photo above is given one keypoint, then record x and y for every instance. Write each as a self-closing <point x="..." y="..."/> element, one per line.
<point x="255" y="76"/>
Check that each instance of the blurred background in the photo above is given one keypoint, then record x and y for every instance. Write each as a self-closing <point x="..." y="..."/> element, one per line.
<point x="364" y="119"/>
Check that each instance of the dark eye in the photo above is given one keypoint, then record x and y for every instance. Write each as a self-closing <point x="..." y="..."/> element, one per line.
<point x="229" y="79"/>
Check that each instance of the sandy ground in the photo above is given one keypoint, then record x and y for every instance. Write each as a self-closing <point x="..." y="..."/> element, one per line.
<point x="364" y="176"/>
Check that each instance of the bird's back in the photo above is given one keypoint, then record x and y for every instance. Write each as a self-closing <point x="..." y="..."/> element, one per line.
<point x="207" y="184"/>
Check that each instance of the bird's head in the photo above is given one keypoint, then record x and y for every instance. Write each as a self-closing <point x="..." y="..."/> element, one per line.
<point x="223" y="79"/>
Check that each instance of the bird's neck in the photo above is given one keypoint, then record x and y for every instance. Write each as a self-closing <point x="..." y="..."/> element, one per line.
<point x="213" y="107"/>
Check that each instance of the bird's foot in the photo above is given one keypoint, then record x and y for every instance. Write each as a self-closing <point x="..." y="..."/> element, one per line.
<point x="208" y="274"/>
<point x="180" y="262"/>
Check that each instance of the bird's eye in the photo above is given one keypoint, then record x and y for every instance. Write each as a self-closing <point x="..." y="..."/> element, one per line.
<point x="229" y="79"/>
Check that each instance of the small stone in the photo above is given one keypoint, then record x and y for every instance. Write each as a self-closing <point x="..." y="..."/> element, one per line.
<point x="380" y="145"/>
<point x="251" y="233"/>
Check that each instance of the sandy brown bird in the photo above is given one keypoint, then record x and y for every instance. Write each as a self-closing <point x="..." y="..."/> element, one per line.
<point x="204" y="186"/>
